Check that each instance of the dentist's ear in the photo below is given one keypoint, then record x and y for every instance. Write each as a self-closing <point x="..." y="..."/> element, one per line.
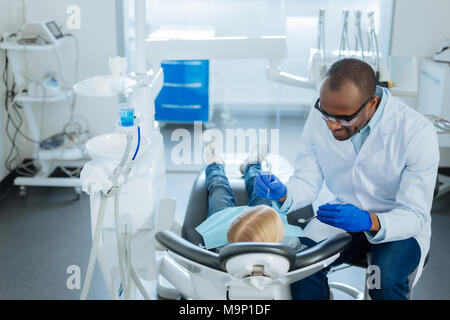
<point x="374" y="102"/>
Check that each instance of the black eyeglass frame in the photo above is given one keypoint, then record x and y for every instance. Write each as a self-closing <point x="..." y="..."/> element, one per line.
<point x="344" y="118"/>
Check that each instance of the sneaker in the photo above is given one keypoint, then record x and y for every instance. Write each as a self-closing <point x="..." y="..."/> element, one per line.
<point x="258" y="155"/>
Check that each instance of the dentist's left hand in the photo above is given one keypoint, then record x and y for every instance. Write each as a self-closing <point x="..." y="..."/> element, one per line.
<point x="264" y="181"/>
<point x="345" y="216"/>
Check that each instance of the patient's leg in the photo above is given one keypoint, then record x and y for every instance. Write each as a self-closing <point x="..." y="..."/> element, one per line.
<point x="250" y="173"/>
<point x="220" y="194"/>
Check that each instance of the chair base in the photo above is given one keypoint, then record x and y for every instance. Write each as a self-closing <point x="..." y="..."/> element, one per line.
<point x="166" y="290"/>
<point x="351" y="291"/>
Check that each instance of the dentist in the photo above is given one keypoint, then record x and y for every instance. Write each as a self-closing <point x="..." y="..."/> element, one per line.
<point x="377" y="156"/>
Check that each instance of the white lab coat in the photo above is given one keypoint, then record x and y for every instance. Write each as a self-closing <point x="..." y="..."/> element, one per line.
<point x="393" y="175"/>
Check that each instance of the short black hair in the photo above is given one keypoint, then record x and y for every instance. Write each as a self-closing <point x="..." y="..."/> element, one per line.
<point x="354" y="70"/>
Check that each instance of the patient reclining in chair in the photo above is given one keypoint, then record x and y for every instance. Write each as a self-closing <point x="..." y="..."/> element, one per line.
<point x="256" y="222"/>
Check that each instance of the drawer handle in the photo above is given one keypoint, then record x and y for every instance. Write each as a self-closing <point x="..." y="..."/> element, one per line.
<point x="183" y="85"/>
<point x="187" y="63"/>
<point x="181" y="106"/>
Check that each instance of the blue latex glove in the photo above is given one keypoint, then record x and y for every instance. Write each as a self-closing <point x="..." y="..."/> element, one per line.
<point x="345" y="216"/>
<point x="264" y="181"/>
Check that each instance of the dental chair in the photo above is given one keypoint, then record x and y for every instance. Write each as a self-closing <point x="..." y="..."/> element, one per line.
<point x="253" y="270"/>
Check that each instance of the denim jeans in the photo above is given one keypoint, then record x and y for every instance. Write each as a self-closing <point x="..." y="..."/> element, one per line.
<point x="397" y="260"/>
<point x="220" y="194"/>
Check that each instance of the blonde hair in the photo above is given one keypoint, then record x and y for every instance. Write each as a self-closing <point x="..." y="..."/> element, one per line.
<point x="258" y="224"/>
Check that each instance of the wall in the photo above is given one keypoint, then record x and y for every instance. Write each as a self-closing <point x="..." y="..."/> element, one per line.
<point x="419" y="28"/>
<point x="242" y="84"/>
<point x="11" y="18"/>
<point x="97" y="42"/>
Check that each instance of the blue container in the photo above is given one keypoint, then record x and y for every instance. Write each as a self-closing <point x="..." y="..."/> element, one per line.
<point x="126" y="115"/>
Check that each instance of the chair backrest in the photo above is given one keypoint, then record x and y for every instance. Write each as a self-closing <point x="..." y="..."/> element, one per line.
<point x="197" y="208"/>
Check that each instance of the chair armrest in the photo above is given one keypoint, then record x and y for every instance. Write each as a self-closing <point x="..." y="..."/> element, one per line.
<point x="323" y="250"/>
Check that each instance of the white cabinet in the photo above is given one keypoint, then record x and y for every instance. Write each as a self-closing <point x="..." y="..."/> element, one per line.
<point x="434" y="98"/>
<point x="434" y="88"/>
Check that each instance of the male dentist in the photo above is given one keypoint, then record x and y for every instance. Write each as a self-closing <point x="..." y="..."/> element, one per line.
<point x="380" y="159"/>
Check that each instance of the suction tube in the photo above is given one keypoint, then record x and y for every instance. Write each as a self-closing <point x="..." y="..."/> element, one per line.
<point x="118" y="170"/>
<point x="94" y="249"/>
<point x="124" y="254"/>
<point x="139" y="284"/>
<point x="119" y="244"/>
<point x="138" y="144"/>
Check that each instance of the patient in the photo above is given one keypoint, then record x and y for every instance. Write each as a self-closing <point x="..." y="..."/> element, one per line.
<point x="226" y="222"/>
<point x="259" y="224"/>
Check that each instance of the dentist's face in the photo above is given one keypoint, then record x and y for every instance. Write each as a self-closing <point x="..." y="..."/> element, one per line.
<point x="346" y="102"/>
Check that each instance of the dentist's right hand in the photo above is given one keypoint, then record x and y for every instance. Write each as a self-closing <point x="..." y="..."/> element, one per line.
<point x="264" y="181"/>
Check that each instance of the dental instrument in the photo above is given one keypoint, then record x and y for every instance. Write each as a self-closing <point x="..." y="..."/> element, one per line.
<point x="359" y="45"/>
<point x="302" y="220"/>
<point x="317" y="62"/>
<point x="344" y="45"/>
<point x="373" y="42"/>
<point x="48" y="31"/>
<point x="443" y="54"/>
<point x="270" y="176"/>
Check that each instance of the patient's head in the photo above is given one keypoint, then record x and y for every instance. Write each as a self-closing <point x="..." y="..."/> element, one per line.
<point x="258" y="224"/>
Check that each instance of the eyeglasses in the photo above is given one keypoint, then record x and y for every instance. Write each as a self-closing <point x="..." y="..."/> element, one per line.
<point x="345" y="121"/>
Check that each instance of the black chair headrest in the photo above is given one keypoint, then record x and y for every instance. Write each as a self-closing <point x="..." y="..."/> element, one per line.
<point x="234" y="249"/>
<point x="312" y="255"/>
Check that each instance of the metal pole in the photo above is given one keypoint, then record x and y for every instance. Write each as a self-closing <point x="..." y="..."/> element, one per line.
<point x="144" y="102"/>
<point x="140" y="15"/>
